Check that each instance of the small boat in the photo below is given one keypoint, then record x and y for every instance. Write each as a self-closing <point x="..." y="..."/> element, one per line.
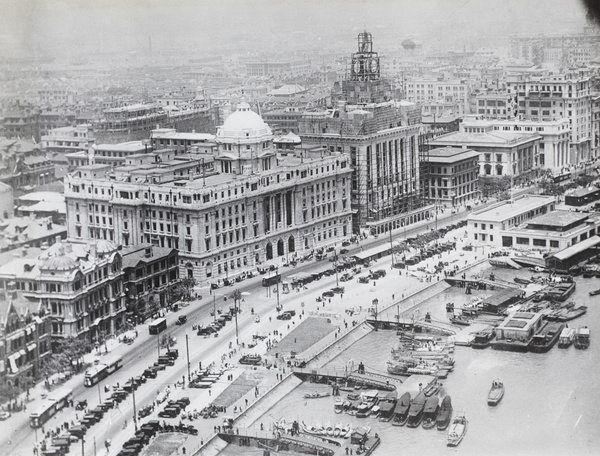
<point x="582" y="337"/>
<point x="337" y="430"/>
<point x="316" y="395"/>
<point x="338" y="406"/>
<point x="522" y="281"/>
<point x="567" y="337"/>
<point x="546" y="337"/>
<point x="457" y="430"/>
<point x="560" y="291"/>
<point x="430" y="412"/>
<point x="415" y="413"/>
<point x="572" y="313"/>
<point x="386" y="411"/>
<point x="346" y="431"/>
<point x="460" y="320"/>
<point x="432" y="387"/>
<point x="445" y="413"/>
<point x="401" y="410"/>
<point x="317" y="429"/>
<point x="483" y="338"/>
<point x="496" y="393"/>
<point x="329" y="429"/>
<point x="353" y="396"/>
<point x="375" y="411"/>
<point x="595" y="292"/>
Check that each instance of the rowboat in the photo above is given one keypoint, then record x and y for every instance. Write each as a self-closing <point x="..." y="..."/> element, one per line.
<point x="445" y="413"/>
<point x="496" y="393"/>
<point x="457" y="430"/>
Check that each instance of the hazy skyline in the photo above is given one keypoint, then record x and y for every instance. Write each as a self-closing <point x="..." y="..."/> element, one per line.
<point x="67" y="28"/>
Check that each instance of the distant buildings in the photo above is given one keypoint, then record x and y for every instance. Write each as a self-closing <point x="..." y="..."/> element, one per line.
<point x="23" y="166"/>
<point x="25" y="232"/>
<point x="553" y="97"/>
<point x="68" y="139"/>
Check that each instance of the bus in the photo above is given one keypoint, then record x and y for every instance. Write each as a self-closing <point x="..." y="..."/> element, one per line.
<point x="56" y="401"/>
<point x="101" y="371"/>
<point x="268" y="281"/>
<point x="157" y="326"/>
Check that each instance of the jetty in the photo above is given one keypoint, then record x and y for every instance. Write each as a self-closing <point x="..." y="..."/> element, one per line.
<point x="276" y="441"/>
<point x="349" y="377"/>
<point x="477" y="283"/>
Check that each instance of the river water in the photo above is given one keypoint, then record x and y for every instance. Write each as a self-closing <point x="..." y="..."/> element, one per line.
<point x="551" y="405"/>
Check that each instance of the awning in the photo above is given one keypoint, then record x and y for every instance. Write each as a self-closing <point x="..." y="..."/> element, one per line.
<point x="28" y="330"/>
<point x="23" y="352"/>
<point x="31" y="346"/>
<point x="12" y="362"/>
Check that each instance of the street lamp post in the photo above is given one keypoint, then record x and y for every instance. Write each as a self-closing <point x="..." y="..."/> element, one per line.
<point x="277" y="280"/>
<point x="335" y="265"/>
<point x="375" y="302"/>
<point x="236" y="298"/>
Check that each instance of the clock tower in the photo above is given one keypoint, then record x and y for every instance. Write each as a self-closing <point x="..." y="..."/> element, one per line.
<point x="365" y="62"/>
<point x="363" y="83"/>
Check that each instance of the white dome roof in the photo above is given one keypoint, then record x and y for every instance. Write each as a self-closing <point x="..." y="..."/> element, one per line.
<point x="243" y="124"/>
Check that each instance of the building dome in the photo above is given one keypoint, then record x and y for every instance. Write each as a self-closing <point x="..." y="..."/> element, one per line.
<point x="104" y="247"/>
<point x="59" y="263"/>
<point x="244" y="124"/>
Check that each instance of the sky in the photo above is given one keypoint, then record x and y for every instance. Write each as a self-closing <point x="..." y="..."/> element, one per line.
<point x="72" y="27"/>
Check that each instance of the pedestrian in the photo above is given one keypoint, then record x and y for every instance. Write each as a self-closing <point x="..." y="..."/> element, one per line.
<point x="246" y="402"/>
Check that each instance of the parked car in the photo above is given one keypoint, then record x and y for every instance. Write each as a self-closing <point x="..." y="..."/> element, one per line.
<point x="344" y="251"/>
<point x="328" y="294"/>
<point x="181" y="320"/>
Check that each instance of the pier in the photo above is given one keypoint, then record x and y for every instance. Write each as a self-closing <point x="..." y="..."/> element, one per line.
<point x="349" y="377"/>
<point x="275" y="441"/>
<point x="476" y="283"/>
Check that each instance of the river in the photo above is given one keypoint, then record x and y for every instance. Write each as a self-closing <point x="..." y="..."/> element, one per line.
<point x="551" y="405"/>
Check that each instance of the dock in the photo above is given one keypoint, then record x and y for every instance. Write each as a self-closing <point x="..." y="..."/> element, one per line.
<point x="477" y="283"/>
<point x="366" y="379"/>
<point x="275" y="441"/>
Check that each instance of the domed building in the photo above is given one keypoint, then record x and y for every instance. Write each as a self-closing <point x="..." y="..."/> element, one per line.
<point x="260" y="207"/>
<point x="244" y="143"/>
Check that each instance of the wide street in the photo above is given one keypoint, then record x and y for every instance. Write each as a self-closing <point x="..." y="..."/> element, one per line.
<point x="20" y="438"/>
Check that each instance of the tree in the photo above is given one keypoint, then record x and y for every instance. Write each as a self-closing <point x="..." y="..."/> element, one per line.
<point x="71" y="351"/>
<point x="8" y="392"/>
<point x="184" y="289"/>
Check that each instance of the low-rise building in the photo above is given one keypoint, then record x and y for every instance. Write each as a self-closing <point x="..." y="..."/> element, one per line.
<point x="24" y="338"/>
<point x="552" y="231"/>
<point x="150" y="275"/>
<point x="487" y="225"/>
<point x="79" y="285"/>
<point x="453" y="176"/>
<point x="31" y="232"/>
<point x="502" y="153"/>
<point x="182" y="142"/>
<point x="582" y="196"/>
<point x="68" y="139"/>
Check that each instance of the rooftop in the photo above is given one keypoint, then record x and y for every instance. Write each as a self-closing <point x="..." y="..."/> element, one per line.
<point x="507" y="210"/>
<point x="487" y="139"/>
<point x="451" y="154"/>
<point x="558" y="218"/>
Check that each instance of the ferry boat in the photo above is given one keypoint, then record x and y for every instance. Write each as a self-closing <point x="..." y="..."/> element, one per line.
<point x="445" y="413"/>
<point x="482" y="339"/>
<point x="415" y="413"/>
<point x="457" y="430"/>
<point x="401" y="410"/>
<point x="560" y="291"/>
<point x="567" y="337"/>
<point x="582" y="337"/>
<point x="430" y="412"/>
<point x="546" y="337"/>
<point x="386" y="411"/>
<point x="496" y="393"/>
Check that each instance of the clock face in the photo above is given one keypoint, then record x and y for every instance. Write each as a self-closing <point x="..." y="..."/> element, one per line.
<point x="374" y="66"/>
